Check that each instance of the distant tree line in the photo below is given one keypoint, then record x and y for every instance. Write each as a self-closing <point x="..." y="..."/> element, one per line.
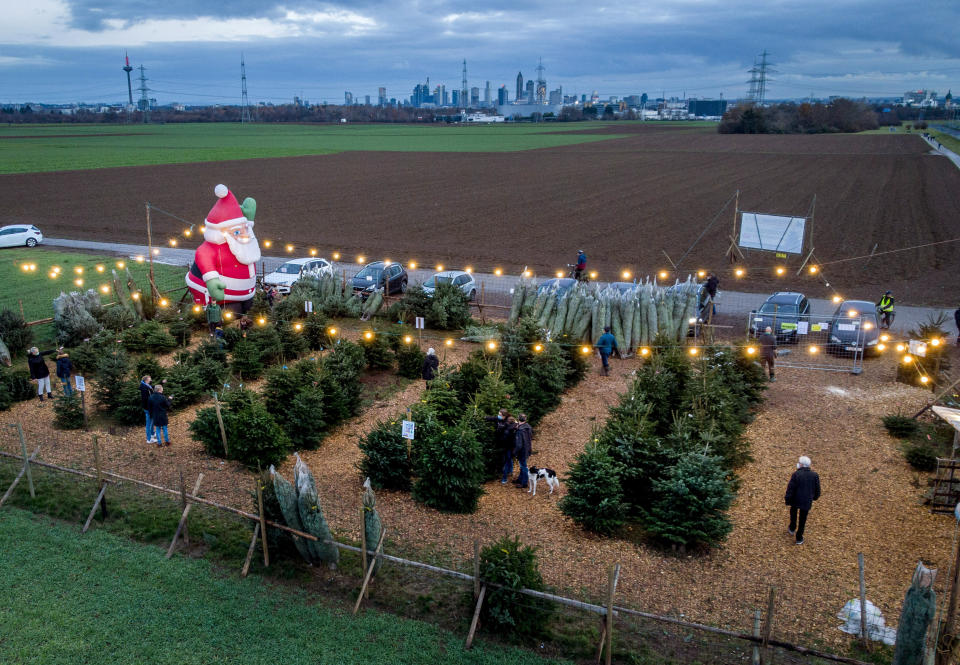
<point x="840" y="115"/>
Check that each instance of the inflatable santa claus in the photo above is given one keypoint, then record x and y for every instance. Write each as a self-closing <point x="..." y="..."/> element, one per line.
<point x="224" y="266"/>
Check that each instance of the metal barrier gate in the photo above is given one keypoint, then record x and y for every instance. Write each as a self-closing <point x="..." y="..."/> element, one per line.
<point x="834" y="343"/>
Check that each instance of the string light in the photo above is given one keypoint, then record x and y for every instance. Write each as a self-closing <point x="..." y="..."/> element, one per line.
<point x="900" y="348"/>
<point x="173" y="242"/>
<point x="202" y="228"/>
<point x="537" y="348"/>
<point x="593" y="274"/>
<point x="262" y="321"/>
<point x="187" y="232"/>
<point x="739" y="272"/>
<point x="448" y="342"/>
<point x="527" y="273"/>
<point x="644" y="351"/>
<point x="491" y="345"/>
<point x="332" y="331"/>
<point x="780" y="270"/>
<point x="100" y="268"/>
<point x="196" y="308"/>
<point x="228" y="315"/>
<point x="439" y="267"/>
<point x="25" y="267"/>
<point x="139" y="259"/>
<point x="924" y="379"/>
<point x="78" y="270"/>
<point x="368" y="335"/>
<point x="156" y="252"/>
<point x="626" y="274"/>
<point x="78" y="282"/>
<point x="336" y="256"/>
<point x="663" y="274"/>
<point x="267" y="243"/>
<point x="585" y="350"/>
<point x="407" y="339"/>
<point x="298" y="326"/>
<point x="313" y="252"/>
<point x="884" y="337"/>
<point x="751" y="350"/>
<point x="468" y="270"/>
<point x="412" y="265"/>
<point x="867" y="326"/>
<point x="559" y="273"/>
<point x="54" y="274"/>
<point x="105" y="289"/>
<point x="701" y="274"/>
<point x="907" y="359"/>
<point x="935" y="342"/>
<point x="121" y="265"/>
<point x="289" y="248"/>
<point x="56" y="269"/>
<point x="360" y="259"/>
<point x="497" y="271"/>
<point x="692" y="320"/>
<point x="852" y="313"/>
<point x="387" y="262"/>
<point x="837" y="299"/>
<point x="814" y="270"/>
<point x="693" y="351"/>
<point x="135" y="296"/>
<point x="164" y="302"/>
<point x="881" y="346"/>
<point x="813" y="349"/>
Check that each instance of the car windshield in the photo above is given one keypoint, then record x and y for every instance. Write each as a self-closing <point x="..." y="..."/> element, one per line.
<point x="290" y="268"/>
<point x="781" y="310"/>
<point x="436" y="280"/>
<point x="369" y="271"/>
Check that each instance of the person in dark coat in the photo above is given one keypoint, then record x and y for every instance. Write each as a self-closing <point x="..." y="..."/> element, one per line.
<point x="606" y="345"/>
<point x="711" y="286"/>
<point x="503" y="439"/>
<point x="39" y="372"/>
<point x="159" y="405"/>
<point x="802" y="490"/>
<point x="768" y="351"/>
<point x="64" y="370"/>
<point x="523" y="448"/>
<point x="430" y="365"/>
<point x="146" y="389"/>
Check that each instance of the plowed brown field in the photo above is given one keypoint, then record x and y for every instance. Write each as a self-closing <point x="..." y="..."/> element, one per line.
<point x="625" y="201"/>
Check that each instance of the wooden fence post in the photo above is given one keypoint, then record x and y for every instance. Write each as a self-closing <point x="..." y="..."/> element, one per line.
<point x="263" y="525"/>
<point x="611" y="590"/>
<point x="253" y="546"/>
<point x="363" y="539"/>
<point x="83" y="406"/>
<point x="26" y="460"/>
<point x="476" y="617"/>
<point x="757" y="619"/>
<point x="366" y="579"/>
<point x="768" y="625"/>
<point x="863" y="605"/>
<point x="16" y="480"/>
<point x="476" y="567"/>
<point x="183" y="518"/>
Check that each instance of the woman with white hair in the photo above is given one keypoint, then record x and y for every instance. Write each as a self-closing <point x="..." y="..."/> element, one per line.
<point x="430" y="365"/>
<point x="802" y="490"/>
<point x="39" y="372"/>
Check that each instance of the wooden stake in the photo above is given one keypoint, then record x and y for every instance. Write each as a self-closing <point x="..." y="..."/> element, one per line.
<point x="363" y="538"/>
<point x="476" y="617"/>
<point x="223" y="431"/>
<point x="603" y="640"/>
<point x="83" y="406"/>
<point x="768" y="625"/>
<point x="253" y="546"/>
<point x="863" y="605"/>
<point x="954" y="590"/>
<point x="182" y="525"/>
<point x="17" y="479"/>
<point x="476" y="567"/>
<point x="614" y="578"/>
<point x="96" y="460"/>
<point x="26" y="460"/>
<point x="366" y="579"/>
<point x="263" y="525"/>
<point x="757" y="619"/>
<point x="20" y="302"/>
<point x="93" y="510"/>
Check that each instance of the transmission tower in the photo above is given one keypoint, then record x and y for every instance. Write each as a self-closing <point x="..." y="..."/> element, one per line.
<point x="144" y="100"/>
<point x="244" y="101"/>
<point x="464" y="91"/>
<point x="541" y="84"/>
<point x="762" y="72"/>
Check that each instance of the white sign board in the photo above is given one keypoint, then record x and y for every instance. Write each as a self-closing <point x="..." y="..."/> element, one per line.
<point x="407" y="429"/>
<point x="774" y="233"/>
<point x="418" y="323"/>
<point x="918" y="348"/>
<point x="81" y="384"/>
<point x="308" y="306"/>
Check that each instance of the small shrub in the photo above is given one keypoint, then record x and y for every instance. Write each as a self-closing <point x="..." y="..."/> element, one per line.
<point x="267" y="340"/>
<point x="68" y="413"/>
<point x="315" y="331"/>
<point x="209" y="350"/>
<point x="16" y="386"/>
<point x="376" y="350"/>
<point x="594" y="498"/>
<point x="246" y="363"/>
<point x="256" y="438"/>
<point x="148" y="336"/>
<point x="385" y="457"/>
<point x="303" y="419"/>
<point x="85" y="358"/>
<point x="118" y="318"/>
<point x="457" y="448"/>
<point x="148" y="365"/>
<point x="231" y="336"/>
<point x="129" y="411"/>
<point x="509" y="563"/>
<point x="284" y="383"/>
<point x="288" y="309"/>
<point x="447" y="309"/>
<point x="183" y="385"/>
<point x="112" y="371"/>
<point x="466" y="378"/>
<point x="920" y="456"/>
<point x="441" y="398"/>
<point x="900" y="426"/>
<point x="14" y="332"/>
<point x="690" y="503"/>
<point x="181" y="329"/>
<point x="293" y="344"/>
<point x="211" y="374"/>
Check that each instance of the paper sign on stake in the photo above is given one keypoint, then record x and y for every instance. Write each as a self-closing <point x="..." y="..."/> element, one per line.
<point x="308" y="306"/>
<point x="81" y="384"/>
<point x="407" y="429"/>
<point x="418" y="323"/>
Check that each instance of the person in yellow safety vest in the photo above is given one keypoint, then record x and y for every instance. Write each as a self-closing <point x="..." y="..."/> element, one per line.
<point x="885" y="309"/>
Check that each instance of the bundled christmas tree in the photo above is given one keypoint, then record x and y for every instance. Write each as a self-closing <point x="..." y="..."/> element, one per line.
<point x="311" y="516"/>
<point x="372" y="526"/>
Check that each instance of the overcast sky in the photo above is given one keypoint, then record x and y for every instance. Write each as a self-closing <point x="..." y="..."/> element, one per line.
<point x="61" y="51"/>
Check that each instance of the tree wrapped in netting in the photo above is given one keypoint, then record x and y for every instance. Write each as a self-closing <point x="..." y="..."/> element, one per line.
<point x="75" y="317"/>
<point x="690" y="503"/>
<point x="311" y="515"/>
<point x="594" y="498"/>
<point x="372" y="526"/>
<point x="287" y="498"/>
<point x="919" y="608"/>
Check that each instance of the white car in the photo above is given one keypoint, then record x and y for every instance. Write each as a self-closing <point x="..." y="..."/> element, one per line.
<point x="286" y="275"/>
<point x="20" y="235"/>
<point x="462" y="280"/>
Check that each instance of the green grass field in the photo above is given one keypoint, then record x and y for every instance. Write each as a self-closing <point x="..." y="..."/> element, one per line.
<point x="36" y="289"/>
<point x="41" y="148"/>
<point x="99" y="598"/>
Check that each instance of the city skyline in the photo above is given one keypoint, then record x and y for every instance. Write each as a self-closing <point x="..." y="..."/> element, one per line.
<point x="67" y="51"/>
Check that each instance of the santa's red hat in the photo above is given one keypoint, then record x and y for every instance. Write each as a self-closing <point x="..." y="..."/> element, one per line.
<point x="226" y="211"/>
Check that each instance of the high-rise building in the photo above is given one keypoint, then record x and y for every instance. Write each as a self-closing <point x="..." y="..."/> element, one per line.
<point x="366" y="100"/>
<point x="530" y="91"/>
<point x="474" y="97"/>
<point x="502" y="95"/>
<point x="348" y="98"/>
<point x="456" y="98"/>
<point x="381" y="96"/>
<point x="487" y="94"/>
<point x="556" y="96"/>
<point x="519" y="96"/>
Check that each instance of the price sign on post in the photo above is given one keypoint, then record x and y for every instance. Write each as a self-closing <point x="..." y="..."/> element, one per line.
<point x="418" y="323"/>
<point x="81" y="384"/>
<point x="407" y="429"/>
<point x="308" y="306"/>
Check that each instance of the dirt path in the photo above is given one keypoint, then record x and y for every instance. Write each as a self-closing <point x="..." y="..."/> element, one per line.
<point x="870" y="501"/>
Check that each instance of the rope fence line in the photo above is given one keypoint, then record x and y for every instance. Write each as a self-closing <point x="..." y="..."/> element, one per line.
<point x="108" y="478"/>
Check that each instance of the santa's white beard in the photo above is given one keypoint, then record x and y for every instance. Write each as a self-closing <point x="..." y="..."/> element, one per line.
<point x="245" y="252"/>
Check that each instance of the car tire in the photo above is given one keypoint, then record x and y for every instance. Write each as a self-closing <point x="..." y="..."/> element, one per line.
<point x="403" y="286"/>
<point x="473" y="294"/>
<point x="31" y="242"/>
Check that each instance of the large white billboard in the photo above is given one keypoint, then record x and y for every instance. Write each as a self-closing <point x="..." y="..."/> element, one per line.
<point x="774" y="233"/>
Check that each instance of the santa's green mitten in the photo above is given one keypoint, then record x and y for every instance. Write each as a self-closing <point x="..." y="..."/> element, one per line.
<point x="216" y="288"/>
<point x="249" y="208"/>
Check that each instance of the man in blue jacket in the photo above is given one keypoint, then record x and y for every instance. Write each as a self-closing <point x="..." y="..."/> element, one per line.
<point x="802" y="490"/>
<point x="606" y="345"/>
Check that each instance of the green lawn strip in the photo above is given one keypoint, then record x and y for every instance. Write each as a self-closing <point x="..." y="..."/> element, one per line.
<point x="35" y="149"/>
<point x="946" y="140"/>
<point x="99" y="598"/>
<point x="36" y="289"/>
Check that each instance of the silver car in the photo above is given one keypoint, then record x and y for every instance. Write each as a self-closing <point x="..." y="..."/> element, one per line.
<point x="20" y="235"/>
<point x="287" y="275"/>
<point x="463" y="280"/>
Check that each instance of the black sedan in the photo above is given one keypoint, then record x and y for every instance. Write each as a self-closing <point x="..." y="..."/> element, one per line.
<point x="781" y="313"/>
<point x="854" y="328"/>
<point x="391" y="277"/>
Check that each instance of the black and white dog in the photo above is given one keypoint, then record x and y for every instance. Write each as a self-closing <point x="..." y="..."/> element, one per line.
<point x="549" y="475"/>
